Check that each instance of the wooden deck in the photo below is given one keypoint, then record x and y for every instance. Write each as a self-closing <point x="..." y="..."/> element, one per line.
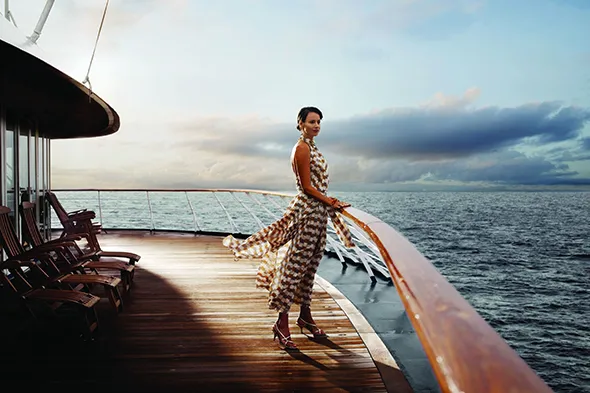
<point x="194" y="321"/>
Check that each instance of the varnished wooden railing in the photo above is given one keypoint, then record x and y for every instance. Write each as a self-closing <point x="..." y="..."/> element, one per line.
<point x="466" y="354"/>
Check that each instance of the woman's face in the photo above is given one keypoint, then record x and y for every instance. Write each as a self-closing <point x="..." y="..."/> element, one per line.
<point x="311" y="126"/>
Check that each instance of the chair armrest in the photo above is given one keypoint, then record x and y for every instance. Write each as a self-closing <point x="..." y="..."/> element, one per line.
<point x="11" y="263"/>
<point x="76" y="212"/>
<point x="72" y="236"/>
<point x="63" y="248"/>
<point x="66" y="239"/>
<point x="33" y="253"/>
<point x="54" y="245"/>
<point x="86" y="215"/>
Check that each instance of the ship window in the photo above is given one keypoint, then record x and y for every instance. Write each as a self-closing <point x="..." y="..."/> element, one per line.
<point x="10" y="168"/>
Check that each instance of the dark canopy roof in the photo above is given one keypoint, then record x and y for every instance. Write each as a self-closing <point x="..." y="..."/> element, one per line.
<point x="61" y="105"/>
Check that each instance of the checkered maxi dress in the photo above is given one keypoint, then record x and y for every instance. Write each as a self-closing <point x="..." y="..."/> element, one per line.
<point x="292" y="247"/>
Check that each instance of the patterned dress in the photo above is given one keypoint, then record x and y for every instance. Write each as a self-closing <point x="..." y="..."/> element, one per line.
<point x="292" y="247"/>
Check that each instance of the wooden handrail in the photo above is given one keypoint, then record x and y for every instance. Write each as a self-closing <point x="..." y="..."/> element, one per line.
<point x="465" y="352"/>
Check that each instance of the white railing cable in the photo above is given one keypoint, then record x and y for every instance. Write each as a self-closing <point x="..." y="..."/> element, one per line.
<point x="260" y="224"/>
<point x="366" y="264"/>
<point x="254" y="199"/>
<point x="233" y="225"/>
<point x="273" y="202"/>
<point x="190" y="205"/>
<point x="375" y="260"/>
<point x="357" y="233"/>
<point x="373" y="263"/>
<point x="337" y="245"/>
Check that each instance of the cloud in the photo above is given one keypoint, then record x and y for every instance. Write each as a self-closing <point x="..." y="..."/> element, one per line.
<point x="577" y="151"/>
<point x="446" y="140"/>
<point x="451" y="131"/>
<point x="507" y="167"/>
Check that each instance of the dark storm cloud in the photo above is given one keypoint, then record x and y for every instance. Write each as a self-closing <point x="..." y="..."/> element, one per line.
<point x="497" y="168"/>
<point x="509" y="167"/>
<point x="579" y="150"/>
<point x="441" y="132"/>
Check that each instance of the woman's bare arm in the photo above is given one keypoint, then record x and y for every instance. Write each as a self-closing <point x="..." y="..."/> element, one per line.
<point x="302" y="165"/>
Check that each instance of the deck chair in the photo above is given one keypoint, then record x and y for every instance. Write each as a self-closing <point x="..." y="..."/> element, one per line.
<point x="55" y="270"/>
<point x="42" y="302"/>
<point x="71" y="249"/>
<point x="80" y="223"/>
<point x="71" y="221"/>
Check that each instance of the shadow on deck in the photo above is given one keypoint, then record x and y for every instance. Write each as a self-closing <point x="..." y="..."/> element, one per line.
<point x="194" y="321"/>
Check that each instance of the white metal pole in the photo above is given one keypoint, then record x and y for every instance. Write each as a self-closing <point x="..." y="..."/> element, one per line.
<point x="42" y="19"/>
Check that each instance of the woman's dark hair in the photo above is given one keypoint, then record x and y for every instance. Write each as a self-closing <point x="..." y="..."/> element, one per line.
<point x="302" y="116"/>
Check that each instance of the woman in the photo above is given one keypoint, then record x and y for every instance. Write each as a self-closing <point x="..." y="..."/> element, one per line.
<point x="292" y="247"/>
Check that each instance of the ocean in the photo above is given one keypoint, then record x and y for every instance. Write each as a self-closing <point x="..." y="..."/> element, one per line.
<point x="521" y="259"/>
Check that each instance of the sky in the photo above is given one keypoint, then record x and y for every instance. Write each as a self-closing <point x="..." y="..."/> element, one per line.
<point x="416" y="94"/>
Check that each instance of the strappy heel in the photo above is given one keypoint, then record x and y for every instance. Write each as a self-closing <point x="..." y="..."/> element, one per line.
<point x="314" y="329"/>
<point x="285" y="343"/>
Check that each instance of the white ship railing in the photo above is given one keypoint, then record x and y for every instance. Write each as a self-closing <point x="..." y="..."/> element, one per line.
<point x="466" y="354"/>
<point x="261" y="208"/>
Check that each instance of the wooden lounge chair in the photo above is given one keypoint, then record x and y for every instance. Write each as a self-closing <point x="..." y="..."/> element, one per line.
<point x="71" y="249"/>
<point x="42" y="302"/>
<point x="54" y="269"/>
<point x="80" y="223"/>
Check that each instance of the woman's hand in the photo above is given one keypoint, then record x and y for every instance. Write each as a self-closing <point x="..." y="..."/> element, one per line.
<point x="338" y="205"/>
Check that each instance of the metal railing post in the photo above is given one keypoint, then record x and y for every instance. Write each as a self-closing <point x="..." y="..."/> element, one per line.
<point x="153" y="227"/>
<point x="100" y="208"/>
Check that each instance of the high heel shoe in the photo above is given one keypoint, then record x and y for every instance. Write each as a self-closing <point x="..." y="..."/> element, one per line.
<point x="285" y="343"/>
<point x="314" y="329"/>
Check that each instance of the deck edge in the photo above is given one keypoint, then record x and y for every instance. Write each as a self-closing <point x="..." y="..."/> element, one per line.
<point x="382" y="357"/>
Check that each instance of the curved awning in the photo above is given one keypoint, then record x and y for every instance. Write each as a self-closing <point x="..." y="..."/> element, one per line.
<point x="62" y="106"/>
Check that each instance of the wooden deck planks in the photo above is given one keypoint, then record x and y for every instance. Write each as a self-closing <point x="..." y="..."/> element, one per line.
<point x="194" y="321"/>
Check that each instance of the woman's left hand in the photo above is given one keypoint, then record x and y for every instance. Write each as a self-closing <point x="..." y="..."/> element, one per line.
<point x="339" y="205"/>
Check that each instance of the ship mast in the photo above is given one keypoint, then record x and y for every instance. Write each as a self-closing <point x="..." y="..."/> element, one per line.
<point x="42" y="19"/>
<point x="40" y="23"/>
<point x="8" y="14"/>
